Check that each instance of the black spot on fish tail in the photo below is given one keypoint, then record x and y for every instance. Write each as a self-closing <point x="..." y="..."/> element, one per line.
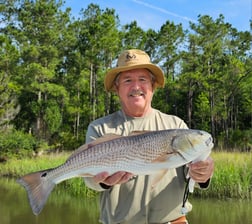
<point x="44" y="175"/>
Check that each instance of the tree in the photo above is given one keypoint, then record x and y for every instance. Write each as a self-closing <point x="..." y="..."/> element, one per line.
<point x="133" y="36"/>
<point x="213" y="66"/>
<point x="167" y="56"/>
<point x="52" y="70"/>
<point x="99" y="42"/>
<point x="9" y="106"/>
<point x="37" y="35"/>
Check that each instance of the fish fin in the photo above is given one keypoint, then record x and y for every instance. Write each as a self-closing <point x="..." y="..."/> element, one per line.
<point x="157" y="177"/>
<point x="163" y="157"/>
<point x="138" y="132"/>
<point x="105" y="138"/>
<point x="38" y="189"/>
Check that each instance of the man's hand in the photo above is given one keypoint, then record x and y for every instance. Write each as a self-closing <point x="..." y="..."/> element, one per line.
<point x="201" y="171"/>
<point x="116" y="178"/>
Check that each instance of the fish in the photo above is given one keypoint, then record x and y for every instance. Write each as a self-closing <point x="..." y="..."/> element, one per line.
<point x="140" y="153"/>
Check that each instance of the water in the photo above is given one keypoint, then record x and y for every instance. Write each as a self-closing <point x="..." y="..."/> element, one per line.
<point x="61" y="208"/>
<point x="212" y="211"/>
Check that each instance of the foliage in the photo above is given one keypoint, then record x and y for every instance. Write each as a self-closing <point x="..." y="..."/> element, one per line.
<point x="53" y="117"/>
<point x="243" y="139"/>
<point x="52" y="69"/>
<point x="15" y="167"/>
<point x="9" y="107"/>
<point x="17" y="143"/>
<point x="68" y="142"/>
<point x="232" y="177"/>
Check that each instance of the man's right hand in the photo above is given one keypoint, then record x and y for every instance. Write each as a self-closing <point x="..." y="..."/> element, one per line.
<point x="111" y="180"/>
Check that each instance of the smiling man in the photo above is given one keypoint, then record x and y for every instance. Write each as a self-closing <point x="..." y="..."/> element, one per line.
<point x="135" y="89"/>
<point x="126" y="198"/>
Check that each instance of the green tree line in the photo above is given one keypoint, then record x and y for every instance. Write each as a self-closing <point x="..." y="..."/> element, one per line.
<point x="52" y="67"/>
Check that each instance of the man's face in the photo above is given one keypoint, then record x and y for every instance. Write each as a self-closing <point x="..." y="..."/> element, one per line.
<point x="135" y="90"/>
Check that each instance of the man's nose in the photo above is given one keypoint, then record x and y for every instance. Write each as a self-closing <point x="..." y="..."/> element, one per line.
<point x="136" y="84"/>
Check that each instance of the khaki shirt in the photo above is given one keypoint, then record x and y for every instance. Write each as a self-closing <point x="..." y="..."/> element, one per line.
<point x="136" y="201"/>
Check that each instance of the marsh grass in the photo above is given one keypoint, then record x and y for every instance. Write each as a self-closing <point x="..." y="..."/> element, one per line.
<point x="232" y="177"/>
<point x="15" y="168"/>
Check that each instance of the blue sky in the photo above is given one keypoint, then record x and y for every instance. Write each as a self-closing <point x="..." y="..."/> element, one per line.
<point x="153" y="14"/>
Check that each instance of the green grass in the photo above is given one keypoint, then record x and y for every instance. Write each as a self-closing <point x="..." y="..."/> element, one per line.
<point x="18" y="167"/>
<point x="15" y="168"/>
<point x="232" y="177"/>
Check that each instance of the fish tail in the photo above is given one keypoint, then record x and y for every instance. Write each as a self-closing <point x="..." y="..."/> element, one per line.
<point x="38" y="188"/>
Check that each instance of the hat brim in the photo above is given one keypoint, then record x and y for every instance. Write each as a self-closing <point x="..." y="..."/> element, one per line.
<point x="111" y="75"/>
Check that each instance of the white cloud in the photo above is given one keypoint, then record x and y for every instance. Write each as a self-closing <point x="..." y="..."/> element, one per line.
<point x="164" y="11"/>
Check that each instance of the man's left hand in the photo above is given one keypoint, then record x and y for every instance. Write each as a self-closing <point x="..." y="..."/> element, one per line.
<point x="201" y="171"/>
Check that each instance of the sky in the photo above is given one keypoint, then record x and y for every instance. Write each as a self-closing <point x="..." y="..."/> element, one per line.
<point x="151" y="14"/>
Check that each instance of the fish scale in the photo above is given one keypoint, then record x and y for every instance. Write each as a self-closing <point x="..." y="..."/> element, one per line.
<point x="141" y="153"/>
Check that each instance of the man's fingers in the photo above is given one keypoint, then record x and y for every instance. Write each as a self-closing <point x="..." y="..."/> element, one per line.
<point x="116" y="178"/>
<point x="201" y="171"/>
<point x="101" y="177"/>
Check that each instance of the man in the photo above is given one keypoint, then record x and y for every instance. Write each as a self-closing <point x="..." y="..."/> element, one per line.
<point x="126" y="198"/>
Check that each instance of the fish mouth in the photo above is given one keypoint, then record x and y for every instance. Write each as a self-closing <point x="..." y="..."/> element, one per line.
<point x="136" y="93"/>
<point x="209" y="141"/>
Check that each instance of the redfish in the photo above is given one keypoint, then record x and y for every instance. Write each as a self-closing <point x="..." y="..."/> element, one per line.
<point x="141" y="153"/>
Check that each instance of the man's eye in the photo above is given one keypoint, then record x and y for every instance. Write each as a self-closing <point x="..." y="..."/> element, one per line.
<point x="144" y="80"/>
<point x="126" y="80"/>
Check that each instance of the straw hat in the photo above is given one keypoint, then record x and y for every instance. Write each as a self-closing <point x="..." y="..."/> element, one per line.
<point x="132" y="59"/>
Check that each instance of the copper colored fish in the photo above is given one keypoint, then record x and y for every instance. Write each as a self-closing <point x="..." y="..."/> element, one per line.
<point x="141" y="153"/>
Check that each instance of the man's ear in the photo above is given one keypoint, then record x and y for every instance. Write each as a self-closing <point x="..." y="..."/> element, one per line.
<point x="116" y="88"/>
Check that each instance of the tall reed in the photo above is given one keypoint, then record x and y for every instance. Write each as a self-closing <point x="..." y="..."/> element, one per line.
<point x="232" y="177"/>
<point x="14" y="168"/>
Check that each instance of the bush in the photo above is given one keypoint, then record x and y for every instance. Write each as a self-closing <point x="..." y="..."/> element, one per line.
<point x="69" y="142"/>
<point x="17" y="143"/>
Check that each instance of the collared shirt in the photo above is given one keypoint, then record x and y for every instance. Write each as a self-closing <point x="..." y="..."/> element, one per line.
<point x="137" y="201"/>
